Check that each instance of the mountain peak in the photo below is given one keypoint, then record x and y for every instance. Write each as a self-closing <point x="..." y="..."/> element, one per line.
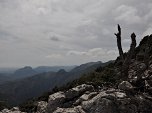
<point x="24" y="72"/>
<point x="61" y="71"/>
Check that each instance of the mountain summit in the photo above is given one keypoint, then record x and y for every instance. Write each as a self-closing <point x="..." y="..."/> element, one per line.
<point x="24" y="72"/>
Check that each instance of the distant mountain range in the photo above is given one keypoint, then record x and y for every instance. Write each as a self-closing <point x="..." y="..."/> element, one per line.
<point x="19" y="90"/>
<point x="38" y="69"/>
<point x="11" y="74"/>
<point x="41" y="69"/>
<point x="7" y="70"/>
<point x="24" y="72"/>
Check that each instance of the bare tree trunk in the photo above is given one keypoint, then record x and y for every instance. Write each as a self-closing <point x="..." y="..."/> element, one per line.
<point x="147" y="50"/>
<point x="118" y="36"/>
<point x="127" y="60"/>
<point x="132" y="47"/>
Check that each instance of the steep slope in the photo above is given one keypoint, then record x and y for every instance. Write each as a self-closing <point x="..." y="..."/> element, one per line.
<point x="85" y="69"/>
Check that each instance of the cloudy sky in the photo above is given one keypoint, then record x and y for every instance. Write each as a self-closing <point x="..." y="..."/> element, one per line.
<point x="67" y="32"/>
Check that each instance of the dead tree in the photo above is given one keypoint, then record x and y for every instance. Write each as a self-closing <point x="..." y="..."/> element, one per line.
<point x="125" y="60"/>
<point x="147" y="51"/>
<point x="118" y="36"/>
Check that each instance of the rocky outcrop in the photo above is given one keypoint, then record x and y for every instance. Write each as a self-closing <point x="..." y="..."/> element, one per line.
<point x="42" y="107"/>
<point x="125" y="85"/>
<point x="66" y="99"/>
<point x="13" y="110"/>
<point x="77" y="91"/>
<point x="105" y="101"/>
<point x="102" y="101"/>
<point x="55" y="100"/>
<point x="77" y="109"/>
<point x="84" y="99"/>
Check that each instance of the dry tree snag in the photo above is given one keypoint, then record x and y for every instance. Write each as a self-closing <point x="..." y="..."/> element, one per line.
<point x="130" y="54"/>
<point x="125" y="60"/>
<point x="118" y="36"/>
<point x="132" y="49"/>
<point x="147" y="51"/>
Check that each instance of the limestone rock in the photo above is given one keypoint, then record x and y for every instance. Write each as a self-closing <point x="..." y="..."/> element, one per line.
<point x="99" y="103"/>
<point x="85" y="97"/>
<point x="79" y="90"/>
<point x="61" y="99"/>
<point x="120" y="94"/>
<point x="77" y="109"/>
<point x="104" y="102"/>
<point x="42" y="107"/>
<point x="55" y="100"/>
<point x="13" y="110"/>
<point x="125" y="85"/>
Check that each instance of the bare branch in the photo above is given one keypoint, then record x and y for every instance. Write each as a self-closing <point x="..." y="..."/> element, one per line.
<point x="118" y="36"/>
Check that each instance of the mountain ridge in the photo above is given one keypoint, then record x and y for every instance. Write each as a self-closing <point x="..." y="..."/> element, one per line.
<point x="34" y="86"/>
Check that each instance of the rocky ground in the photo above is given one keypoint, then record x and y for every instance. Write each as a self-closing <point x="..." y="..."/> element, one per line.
<point x="85" y="99"/>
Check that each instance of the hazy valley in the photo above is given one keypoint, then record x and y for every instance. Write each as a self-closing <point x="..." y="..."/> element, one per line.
<point x="26" y="83"/>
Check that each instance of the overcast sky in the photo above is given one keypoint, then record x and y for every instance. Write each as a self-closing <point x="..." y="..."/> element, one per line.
<point x="68" y="32"/>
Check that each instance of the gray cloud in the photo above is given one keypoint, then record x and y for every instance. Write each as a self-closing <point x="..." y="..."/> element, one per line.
<point x="75" y="28"/>
<point x="6" y="37"/>
<point x="55" y="38"/>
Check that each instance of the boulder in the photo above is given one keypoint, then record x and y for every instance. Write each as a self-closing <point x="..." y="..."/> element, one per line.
<point x="77" y="109"/>
<point x="13" y="110"/>
<point x="104" y="102"/>
<point x="78" y="91"/>
<point x="67" y="99"/>
<point x="99" y="103"/>
<point x="120" y="94"/>
<point x="5" y="111"/>
<point x="85" y="97"/>
<point x="42" y="107"/>
<point x="55" y="100"/>
<point x="125" y="85"/>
